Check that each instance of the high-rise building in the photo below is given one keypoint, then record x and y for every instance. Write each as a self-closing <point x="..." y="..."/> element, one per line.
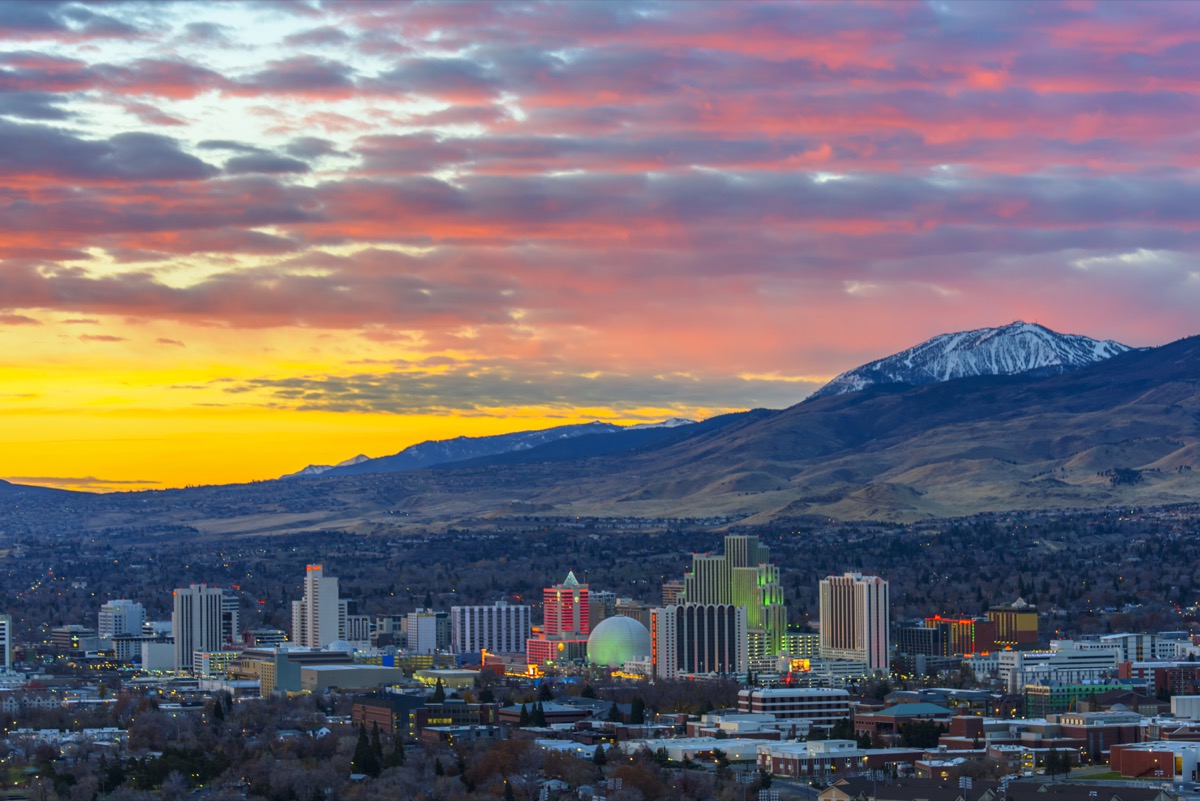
<point x="855" y="619"/>
<point x="565" y="624"/>
<point x="672" y="592"/>
<point x="6" y="644"/>
<point x="428" y="631"/>
<point x="1016" y="625"/>
<point x="500" y="629"/>
<point x="602" y="604"/>
<point x="698" y="638"/>
<point x="319" y="618"/>
<point x="204" y="619"/>
<point x="743" y="576"/>
<point x="120" y="617"/>
<point x="565" y="609"/>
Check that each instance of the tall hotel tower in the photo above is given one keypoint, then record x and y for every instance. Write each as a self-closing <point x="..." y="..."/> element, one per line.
<point x="320" y="617"/>
<point x="743" y="576"/>
<point x="855" y="619"/>
<point x="565" y="624"/>
<point x="204" y="619"/>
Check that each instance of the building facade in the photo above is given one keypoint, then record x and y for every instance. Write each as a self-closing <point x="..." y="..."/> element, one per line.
<point x="743" y="576"/>
<point x="698" y="638"/>
<point x="318" y="618"/>
<point x="855" y="619"/>
<point x="204" y="619"/>
<point x="500" y="628"/>
<point x="120" y="617"/>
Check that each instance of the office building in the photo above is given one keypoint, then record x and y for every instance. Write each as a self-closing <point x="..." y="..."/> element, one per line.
<point x="855" y="619"/>
<point x="6" y="643"/>
<point x="499" y="629"/>
<point x="204" y="619"/>
<point x="601" y="604"/>
<point x="428" y="631"/>
<point x="672" y="592"/>
<point x="824" y="707"/>
<point x="318" y="618"/>
<point x="698" y="638"/>
<point x="743" y="576"/>
<point x="120" y="617"/>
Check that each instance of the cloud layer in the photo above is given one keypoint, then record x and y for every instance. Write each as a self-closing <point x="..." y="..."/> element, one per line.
<point x="624" y="205"/>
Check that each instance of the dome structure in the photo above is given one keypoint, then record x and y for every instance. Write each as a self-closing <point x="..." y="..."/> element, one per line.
<point x="617" y="640"/>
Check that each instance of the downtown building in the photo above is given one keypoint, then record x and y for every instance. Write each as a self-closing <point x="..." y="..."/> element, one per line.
<point x="204" y="619"/>
<point x="566" y="624"/>
<point x="855" y="619"/>
<point x="120" y="617"/>
<point x="6" y="643"/>
<point x="692" y="638"/>
<point x="743" y="576"/>
<point x="498" y="629"/>
<point x="319" y="618"/>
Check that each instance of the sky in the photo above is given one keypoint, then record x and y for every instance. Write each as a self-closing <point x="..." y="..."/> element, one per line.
<point x="239" y="238"/>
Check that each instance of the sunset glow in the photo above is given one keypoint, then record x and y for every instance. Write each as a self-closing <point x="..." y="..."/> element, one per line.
<point x="239" y="238"/>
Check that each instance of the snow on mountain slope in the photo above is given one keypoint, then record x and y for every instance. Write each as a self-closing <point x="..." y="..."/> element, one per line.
<point x="434" y="452"/>
<point x="1008" y="350"/>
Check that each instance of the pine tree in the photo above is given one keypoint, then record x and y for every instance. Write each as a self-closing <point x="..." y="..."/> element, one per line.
<point x="218" y="713"/>
<point x="509" y="795"/>
<point x="396" y="759"/>
<point x="614" y="714"/>
<point x="364" y="760"/>
<point x="539" y="714"/>
<point x="428" y="600"/>
<point x="439" y="693"/>
<point x="544" y="692"/>
<point x="524" y="719"/>
<point x="376" y="744"/>
<point x="637" y="712"/>
<point x="438" y="770"/>
<point x="598" y="756"/>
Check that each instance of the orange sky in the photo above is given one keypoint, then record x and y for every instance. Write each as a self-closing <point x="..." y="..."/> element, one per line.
<point x="240" y="238"/>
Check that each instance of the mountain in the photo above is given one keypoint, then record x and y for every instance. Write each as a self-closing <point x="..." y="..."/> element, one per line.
<point x="11" y="491"/>
<point x="459" y="449"/>
<point x="1124" y="431"/>
<point x="1008" y="350"/>
<point x="318" y="469"/>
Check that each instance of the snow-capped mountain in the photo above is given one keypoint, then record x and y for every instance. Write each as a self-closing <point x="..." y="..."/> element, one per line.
<point x="318" y="469"/>
<point x="459" y="449"/>
<point x="1008" y="350"/>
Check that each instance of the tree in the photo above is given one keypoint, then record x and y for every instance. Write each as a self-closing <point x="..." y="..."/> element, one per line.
<point x="587" y="692"/>
<point x="524" y="719"/>
<point x="539" y="714"/>
<point x="439" y="693"/>
<point x="376" y="744"/>
<point x="598" y="756"/>
<point x="364" y="760"/>
<point x="428" y="600"/>
<point x="396" y="758"/>
<point x="509" y="795"/>
<point x="438" y="770"/>
<point x="764" y="779"/>
<point x="487" y="696"/>
<point x="614" y="714"/>
<point x="637" y="712"/>
<point x="544" y="692"/>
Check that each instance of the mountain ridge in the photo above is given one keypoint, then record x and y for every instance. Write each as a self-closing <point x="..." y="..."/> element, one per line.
<point x="1012" y="349"/>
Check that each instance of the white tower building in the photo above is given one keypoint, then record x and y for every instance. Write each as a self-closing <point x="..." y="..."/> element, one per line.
<point x="855" y="619"/>
<point x="319" y="618"/>
<point x="120" y="617"/>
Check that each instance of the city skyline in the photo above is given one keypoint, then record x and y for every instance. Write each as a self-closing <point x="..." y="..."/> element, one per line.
<point x="241" y="238"/>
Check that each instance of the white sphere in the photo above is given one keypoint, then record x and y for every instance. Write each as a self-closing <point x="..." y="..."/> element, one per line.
<point x="616" y="640"/>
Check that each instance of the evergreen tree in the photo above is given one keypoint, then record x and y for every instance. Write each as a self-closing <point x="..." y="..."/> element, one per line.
<point x="524" y="719"/>
<point x="376" y="744"/>
<point x="396" y="758"/>
<point x="428" y="600"/>
<point x="539" y="714"/>
<point x="544" y="692"/>
<point x="637" y="713"/>
<point x="486" y="696"/>
<point x="509" y="795"/>
<point x="614" y="714"/>
<point x="587" y="692"/>
<point x="364" y="760"/>
<point x="598" y="756"/>
<point x="438" y="770"/>
<point x="439" y="693"/>
<point x="218" y="713"/>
